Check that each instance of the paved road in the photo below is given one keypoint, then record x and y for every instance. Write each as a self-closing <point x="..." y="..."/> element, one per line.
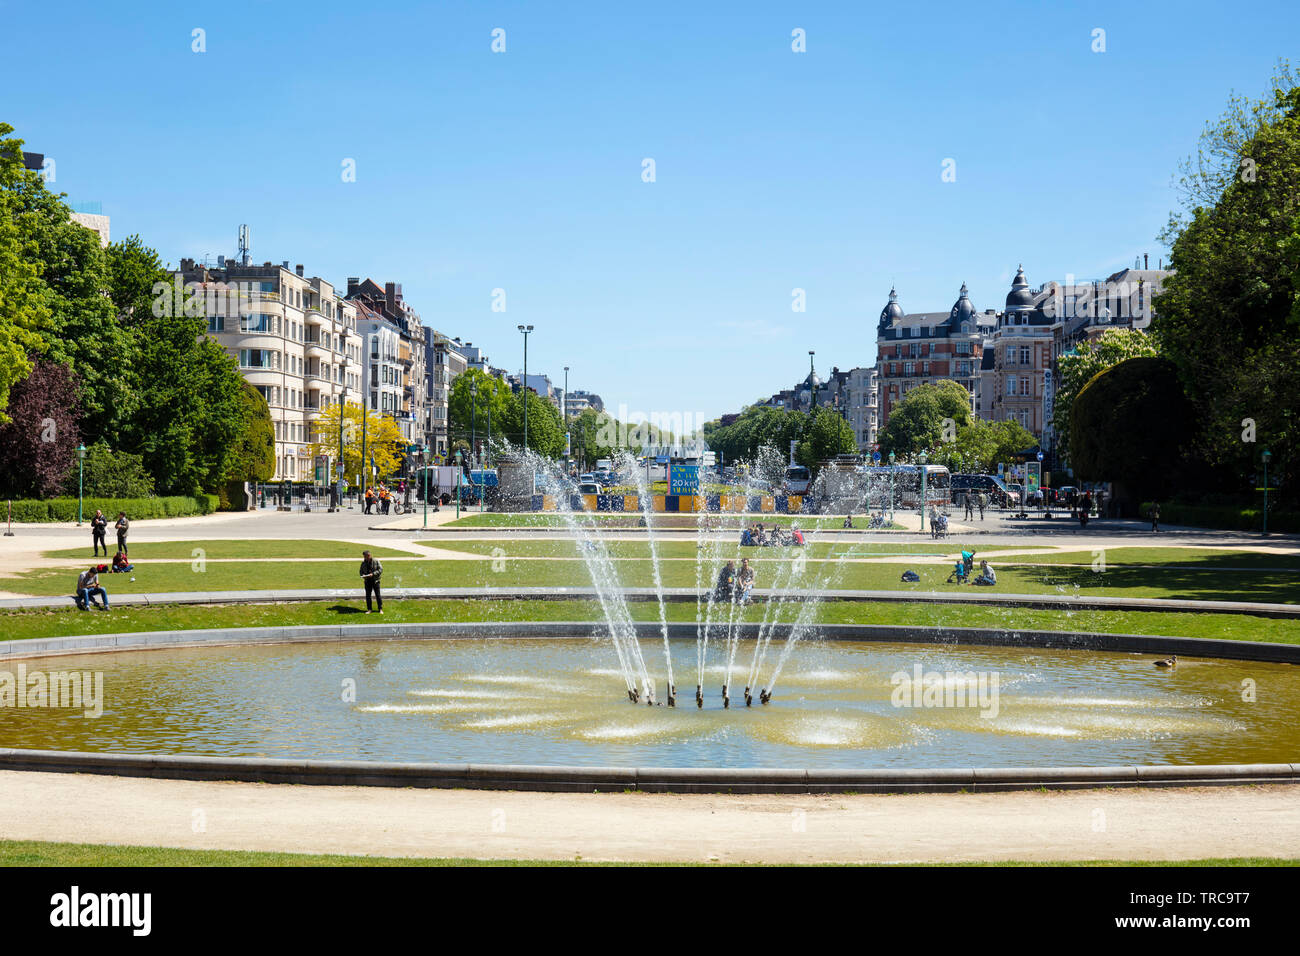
<point x="1172" y="824"/>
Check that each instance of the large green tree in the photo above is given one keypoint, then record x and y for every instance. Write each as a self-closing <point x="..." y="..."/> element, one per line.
<point x="1131" y="424"/>
<point x="1229" y="317"/>
<point x="25" y="301"/>
<point x="1077" y="367"/>
<point x="979" y="446"/>
<point x="926" y="415"/>
<point x="188" y="404"/>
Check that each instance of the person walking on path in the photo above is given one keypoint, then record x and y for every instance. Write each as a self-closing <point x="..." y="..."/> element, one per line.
<point x="98" y="528"/>
<point x="970" y="507"/>
<point x="1155" y="516"/>
<point x="983" y="501"/>
<point x="123" y="526"/>
<point x="371" y="570"/>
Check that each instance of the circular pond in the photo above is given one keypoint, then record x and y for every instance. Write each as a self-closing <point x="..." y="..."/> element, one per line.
<point x="838" y="705"/>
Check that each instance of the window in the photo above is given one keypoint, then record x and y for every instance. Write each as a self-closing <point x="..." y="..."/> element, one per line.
<point x="925" y="368"/>
<point x="1024" y="355"/>
<point x="1011" y="355"/>
<point x="216" y="323"/>
<point x="909" y="369"/>
<point x="255" y="323"/>
<point x="1011" y="385"/>
<point x="256" y="358"/>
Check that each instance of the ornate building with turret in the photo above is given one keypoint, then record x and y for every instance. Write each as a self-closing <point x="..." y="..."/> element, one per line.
<point x="929" y="347"/>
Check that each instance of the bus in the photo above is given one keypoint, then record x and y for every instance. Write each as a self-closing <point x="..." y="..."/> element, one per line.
<point x="900" y="486"/>
<point x="797" y="480"/>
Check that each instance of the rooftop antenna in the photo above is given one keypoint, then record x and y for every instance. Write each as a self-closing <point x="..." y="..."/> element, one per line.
<point x="245" y="245"/>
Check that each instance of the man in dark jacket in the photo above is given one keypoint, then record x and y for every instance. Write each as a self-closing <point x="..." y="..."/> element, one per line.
<point x="123" y="526"/>
<point x="98" y="528"/>
<point x="371" y="570"/>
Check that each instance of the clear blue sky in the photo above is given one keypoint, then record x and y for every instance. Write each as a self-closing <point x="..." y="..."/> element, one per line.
<point x="522" y="170"/>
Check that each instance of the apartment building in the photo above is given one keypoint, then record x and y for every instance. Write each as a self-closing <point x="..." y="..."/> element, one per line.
<point x="294" y="338"/>
<point x="929" y="347"/>
<point x="861" y="406"/>
<point x="410" y="353"/>
<point x="445" y="360"/>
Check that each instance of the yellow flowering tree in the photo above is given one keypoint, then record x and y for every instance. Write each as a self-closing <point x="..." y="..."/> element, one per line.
<point x="383" y="440"/>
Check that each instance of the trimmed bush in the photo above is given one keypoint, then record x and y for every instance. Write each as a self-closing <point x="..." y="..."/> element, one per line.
<point x="65" y="509"/>
<point x="1224" y="517"/>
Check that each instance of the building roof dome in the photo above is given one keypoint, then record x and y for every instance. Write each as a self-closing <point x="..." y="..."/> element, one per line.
<point x="812" y="381"/>
<point x="1020" y="298"/>
<point x="963" y="310"/>
<point x="893" y="312"/>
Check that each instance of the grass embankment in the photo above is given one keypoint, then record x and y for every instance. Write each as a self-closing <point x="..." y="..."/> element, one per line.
<point x="1188" y="581"/>
<point x="15" y="625"/>
<point x="238" y="548"/>
<point x="36" y="853"/>
<point x="678" y="550"/>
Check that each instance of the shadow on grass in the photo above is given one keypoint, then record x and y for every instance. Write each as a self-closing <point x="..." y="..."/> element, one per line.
<point x="343" y="609"/>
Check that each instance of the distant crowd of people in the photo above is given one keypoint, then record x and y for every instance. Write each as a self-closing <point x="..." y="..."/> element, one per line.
<point x="757" y="536"/>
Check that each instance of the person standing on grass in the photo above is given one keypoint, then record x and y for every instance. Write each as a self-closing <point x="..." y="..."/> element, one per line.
<point x="371" y="570"/>
<point x="123" y="526"/>
<point x="98" y="528"/>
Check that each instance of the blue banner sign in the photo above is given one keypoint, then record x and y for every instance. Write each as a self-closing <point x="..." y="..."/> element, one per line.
<point x="683" y="479"/>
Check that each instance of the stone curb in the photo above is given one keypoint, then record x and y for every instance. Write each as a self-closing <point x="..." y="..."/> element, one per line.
<point x="1260" y="651"/>
<point x="679" y="595"/>
<point x="357" y="773"/>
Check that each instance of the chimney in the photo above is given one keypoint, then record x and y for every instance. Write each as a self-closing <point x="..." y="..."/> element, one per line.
<point x="285" y="265"/>
<point x="354" y="283"/>
<point x="298" y="269"/>
<point x="1146" y="262"/>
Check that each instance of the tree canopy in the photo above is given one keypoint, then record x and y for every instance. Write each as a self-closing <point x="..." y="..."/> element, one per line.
<point x="917" y="422"/>
<point x="1229" y="318"/>
<point x="1078" y="366"/>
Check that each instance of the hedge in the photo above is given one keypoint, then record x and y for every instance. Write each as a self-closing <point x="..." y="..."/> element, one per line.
<point x="65" y="509"/>
<point x="1225" y="517"/>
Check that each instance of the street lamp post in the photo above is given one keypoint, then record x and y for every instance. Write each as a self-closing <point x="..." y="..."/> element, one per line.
<point x="812" y="382"/>
<point x="424" y="470"/>
<point x="891" y="485"/>
<point x="564" y="414"/>
<point x="525" y="329"/>
<point x="458" y="474"/>
<point x="81" y="472"/>
<point x="1265" y="455"/>
<point x="473" y="421"/>
<point x="922" y="459"/>
<point x="338" y="482"/>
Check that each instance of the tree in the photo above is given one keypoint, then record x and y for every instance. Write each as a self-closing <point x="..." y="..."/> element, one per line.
<point x="189" y="403"/>
<point x="1131" y="423"/>
<point x="468" y="415"/>
<point x="106" y="473"/>
<point x="1078" y="366"/>
<point x="825" y="435"/>
<point x="383" y="440"/>
<point x="39" y="442"/>
<point x="252" y="456"/>
<point x="924" y="416"/>
<point x="24" y="299"/>
<point x="1228" y="318"/>
<point x="979" y="446"/>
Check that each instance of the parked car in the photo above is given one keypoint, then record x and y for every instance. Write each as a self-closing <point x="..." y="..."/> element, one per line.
<point x="589" y="488"/>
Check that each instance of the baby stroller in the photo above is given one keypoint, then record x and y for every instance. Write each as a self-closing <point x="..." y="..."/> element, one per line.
<point x="938" y="524"/>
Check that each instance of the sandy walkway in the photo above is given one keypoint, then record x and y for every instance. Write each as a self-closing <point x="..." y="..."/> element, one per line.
<point x="1096" y="824"/>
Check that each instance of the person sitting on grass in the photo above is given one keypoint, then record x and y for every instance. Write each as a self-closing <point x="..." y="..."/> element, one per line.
<point x="87" y="587"/>
<point x="987" y="576"/>
<point x="745" y="582"/>
<point x="121" y="565"/>
<point x="726" y="585"/>
<point x="848" y="521"/>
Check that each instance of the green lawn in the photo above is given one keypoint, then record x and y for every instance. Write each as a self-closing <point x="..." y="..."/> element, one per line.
<point x="269" y="548"/>
<point x="1182" y="557"/>
<point x="15" y="625"/>
<point x="1118" y="580"/>
<point x="35" y="853"/>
